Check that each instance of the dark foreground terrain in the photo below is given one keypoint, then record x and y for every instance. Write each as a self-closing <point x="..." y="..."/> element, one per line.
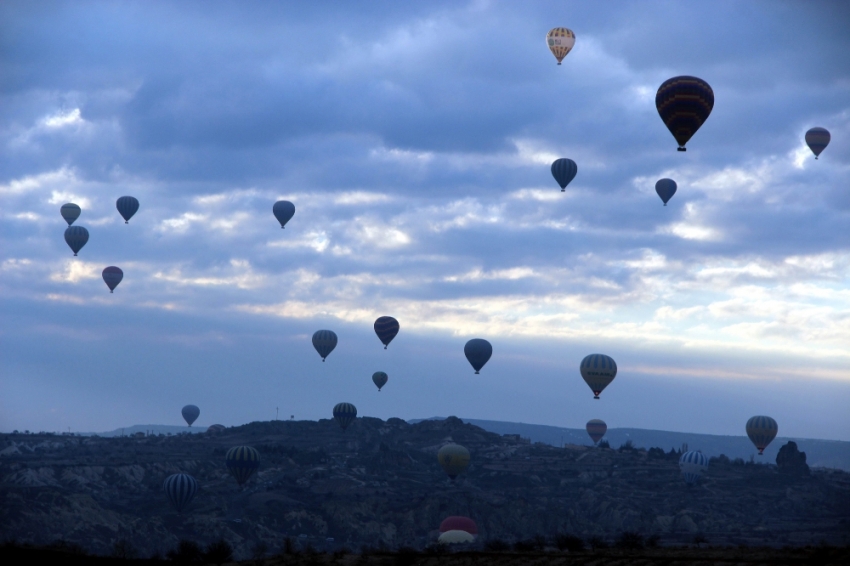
<point x="378" y="485"/>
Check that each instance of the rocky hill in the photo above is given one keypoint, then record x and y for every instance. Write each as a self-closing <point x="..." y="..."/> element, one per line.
<point x="379" y="484"/>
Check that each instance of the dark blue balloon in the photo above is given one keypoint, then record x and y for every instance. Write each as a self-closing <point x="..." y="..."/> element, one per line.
<point x="344" y="414"/>
<point x="180" y="489"/>
<point x="127" y="207"/>
<point x="564" y="170"/>
<point x="324" y="341"/>
<point x="70" y="212"/>
<point x="684" y="104"/>
<point x="478" y="351"/>
<point x="190" y="413"/>
<point x="665" y="188"/>
<point x="386" y="327"/>
<point x="283" y="211"/>
<point x="76" y="237"/>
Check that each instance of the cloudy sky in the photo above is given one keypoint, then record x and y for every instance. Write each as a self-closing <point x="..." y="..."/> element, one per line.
<point x="415" y="141"/>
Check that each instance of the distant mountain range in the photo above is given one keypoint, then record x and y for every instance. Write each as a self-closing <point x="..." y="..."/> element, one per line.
<point x="819" y="453"/>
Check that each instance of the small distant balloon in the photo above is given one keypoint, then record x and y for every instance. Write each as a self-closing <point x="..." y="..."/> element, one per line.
<point x="76" y="237"/>
<point x="379" y="378"/>
<point x="190" y="413"/>
<point x="665" y="188"/>
<point x="180" y="489"/>
<point x="458" y="523"/>
<point x="560" y="42"/>
<point x="386" y="327"/>
<point x="324" y="341"/>
<point x="283" y="210"/>
<point x="598" y="370"/>
<point x="454" y="459"/>
<point x="242" y="462"/>
<point x="127" y="207"/>
<point x="344" y="414"/>
<point x="455" y="537"/>
<point x="70" y="212"/>
<point x="693" y="465"/>
<point x="761" y="430"/>
<point x="817" y="139"/>
<point x="564" y="170"/>
<point x="478" y="351"/>
<point x="596" y="429"/>
<point x="684" y="104"/>
<point x="112" y="276"/>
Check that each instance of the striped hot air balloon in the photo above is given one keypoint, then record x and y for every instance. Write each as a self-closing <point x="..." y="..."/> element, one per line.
<point x="70" y="212"/>
<point x="560" y="42"/>
<point x="665" y="188"/>
<point x="596" y="429"/>
<point x="180" y="489"/>
<point x="112" y="276"/>
<point x="242" y="462"/>
<point x="324" y="341"/>
<point x="761" y="430"/>
<point x="457" y="523"/>
<point x="478" y="351"/>
<point x="344" y="414"/>
<point x="684" y="104"/>
<point x="454" y="459"/>
<point x="283" y="210"/>
<point x="190" y="413"/>
<point x="693" y="465"/>
<point x="564" y="170"/>
<point x="598" y="370"/>
<point x="127" y="207"/>
<point x="386" y="327"/>
<point x="379" y="378"/>
<point x="817" y="139"/>
<point x="76" y="237"/>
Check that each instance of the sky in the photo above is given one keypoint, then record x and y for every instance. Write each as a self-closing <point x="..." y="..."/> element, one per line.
<point x="415" y="141"/>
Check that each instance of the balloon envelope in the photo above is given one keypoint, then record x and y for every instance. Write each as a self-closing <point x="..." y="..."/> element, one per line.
<point x="693" y="465"/>
<point x="762" y="430"/>
<point x="380" y="379"/>
<point x="283" y="210"/>
<point x="112" y="276"/>
<point x="454" y="459"/>
<point x="665" y="188"/>
<point x="70" y="212"/>
<point x="180" y="489"/>
<point x="76" y="237"/>
<point x="455" y="537"/>
<point x="598" y="370"/>
<point x="127" y="207"/>
<point x="564" y="170"/>
<point x="190" y="413"/>
<point x="242" y="462"/>
<point x="386" y="327"/>
<point x="684" y="104"/>
<point x="478" y="351"/>
<point x="344" y="414"/>
<point x="817" y="139"/>
<point x="596" y="429"/>
<point x="457" y="523"/>
<point x="560" y="42"/>
<point x="324" y="341"/>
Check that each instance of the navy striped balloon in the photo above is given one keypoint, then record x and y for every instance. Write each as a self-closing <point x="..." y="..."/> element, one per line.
<point x="127" y="207"/>
<point x="344" y="414"/>
<point x="665" y="188"/>
<point x="70" y="212"/>
<point x="242" y="462"/>
<point x="478" y="351"/>
<point x="564" y="170"/>
<point x="380" y="379"/>
<point x="817" y="139"/>
<point x="76" y="237"/>
<point x="598" y="370"/>
<point x="190" y="413"/>
<point x="386" y="327"/>
<point x="596" y="429"/>
<point x="684" y="104"/>
<point x="112" y="276"/>
<point x="693" y="465"/>
<point x="180" y="489"/>
<point x="324" y="341"/>
<point x="761" y="430"/>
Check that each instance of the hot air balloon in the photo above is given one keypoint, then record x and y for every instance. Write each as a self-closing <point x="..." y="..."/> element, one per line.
<point x="76" y="237"/>
<point x="112" y="276"/>
<point x="693" y="465"/>
<point x="456" y="523"/>
<point x="344" y="414"/>
<point x="560" y="42"/>
<point x="455" y="537"/>
<point x="180" y="489"/>
<point x="598" y="370"/>
<point x="684" y="104"/>
<point x="817" y="139"/>
<point x="380" y="379"/>
<point x="324" y="341"/>
<point x="242" y="462"/>
<point x="564" y="170"/>
<point x="127" y="207"/>
<point x="70" y="212"/>
<point x="216" y="429"/>
<point x="283" y="211"/>
<point x="386" y="327"/>
<point x="454" y="459"/>
<point x="190" y="413"/>
<point x="478" y="351"/>
<point x="665" y="188"/>
<point x="762" y="430"/>
<point x="596" y="429"/>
